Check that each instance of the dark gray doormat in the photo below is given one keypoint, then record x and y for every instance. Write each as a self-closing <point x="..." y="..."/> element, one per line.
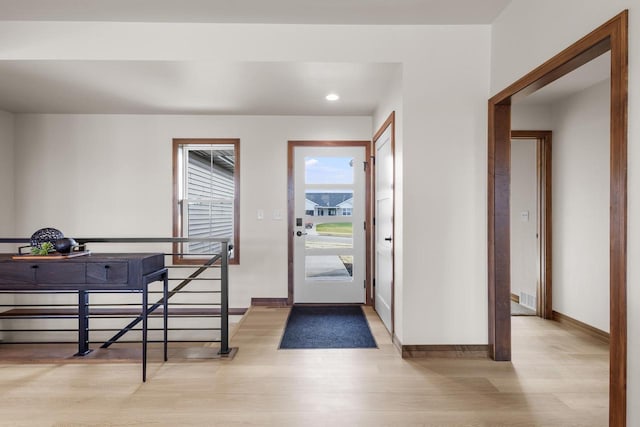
<point x="340" y="326"/>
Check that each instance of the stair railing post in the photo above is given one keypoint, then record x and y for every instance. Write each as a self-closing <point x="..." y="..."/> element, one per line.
<point x="224" y="299"/>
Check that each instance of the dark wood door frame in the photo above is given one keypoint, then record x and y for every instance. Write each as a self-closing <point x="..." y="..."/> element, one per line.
<point x="611" y="36"/>
<point x="390" y="122"/>
<point x="291" y="206"/>
<point x="544" y="227"/>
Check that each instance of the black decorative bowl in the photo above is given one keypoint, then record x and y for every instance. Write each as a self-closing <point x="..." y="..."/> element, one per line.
<point x="45" y="235"/>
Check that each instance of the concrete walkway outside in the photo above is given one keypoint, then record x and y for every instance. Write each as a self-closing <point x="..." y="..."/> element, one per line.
<point x="322" y="267"/>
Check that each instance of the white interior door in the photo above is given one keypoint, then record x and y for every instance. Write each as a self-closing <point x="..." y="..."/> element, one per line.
<point x="329" y="219"/>
<point x="384" y="227"/>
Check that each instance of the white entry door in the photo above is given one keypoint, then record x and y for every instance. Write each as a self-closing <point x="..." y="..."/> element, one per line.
<point x="384" y="227"/>
<point x="329" y="224"/>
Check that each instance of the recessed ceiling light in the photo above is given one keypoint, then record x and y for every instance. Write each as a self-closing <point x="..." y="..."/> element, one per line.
<point x="332" y="97"/>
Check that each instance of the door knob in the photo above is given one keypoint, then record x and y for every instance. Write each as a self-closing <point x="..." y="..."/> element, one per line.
<point x="388" y="239"/>
<point x="300" y="233"/>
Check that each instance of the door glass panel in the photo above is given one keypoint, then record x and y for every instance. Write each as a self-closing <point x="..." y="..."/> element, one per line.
<point x="328" y="170"/>
<point x="328" y="203"/>
<point x="329" y="267"/>
<point x="320" y="206"/>
<point x="328" y="235"/>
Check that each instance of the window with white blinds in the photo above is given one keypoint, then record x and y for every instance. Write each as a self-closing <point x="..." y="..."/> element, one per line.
<point x="207" y="194"/>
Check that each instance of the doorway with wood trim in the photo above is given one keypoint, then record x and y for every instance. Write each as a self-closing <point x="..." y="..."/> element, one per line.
<point x="534" y="262"/>
<point x="329" y="216"/>
<point x="610" y="37"/>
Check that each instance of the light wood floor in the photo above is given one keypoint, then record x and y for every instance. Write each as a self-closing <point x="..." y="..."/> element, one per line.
<point x="557" y="378"/>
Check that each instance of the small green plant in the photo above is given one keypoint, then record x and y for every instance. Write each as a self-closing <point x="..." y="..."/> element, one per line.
<point x="44" y="249"/>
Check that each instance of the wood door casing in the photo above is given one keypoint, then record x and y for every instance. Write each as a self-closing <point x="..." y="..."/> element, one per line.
<point x="611" y="36"/>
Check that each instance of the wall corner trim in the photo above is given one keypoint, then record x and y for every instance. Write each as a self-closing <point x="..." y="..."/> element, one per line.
<point x="396" y="343"/>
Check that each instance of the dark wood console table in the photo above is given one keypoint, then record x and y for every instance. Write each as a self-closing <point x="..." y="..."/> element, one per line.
<point x="124" y="272"/>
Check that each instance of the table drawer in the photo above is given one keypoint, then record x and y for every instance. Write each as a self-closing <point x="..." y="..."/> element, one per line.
<point x="17" y="273"/>
<point x="32" y="273"/>
<point x="107" y="272"/>
<point x="59" y="273"/>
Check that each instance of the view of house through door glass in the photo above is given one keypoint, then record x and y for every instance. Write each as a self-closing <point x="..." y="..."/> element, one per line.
<point x="329" y="216"/>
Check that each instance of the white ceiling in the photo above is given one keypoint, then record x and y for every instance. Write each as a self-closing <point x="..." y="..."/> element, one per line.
<point x="167" y="87"/>
<point x="243" y="88"/>
<point x="216" y="88"/>
<point x="259" y="11"/>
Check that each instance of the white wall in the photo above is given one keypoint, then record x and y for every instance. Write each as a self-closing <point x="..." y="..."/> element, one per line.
<point x="581" y="206"/>
<point x="515" y="52"/>
<point x="111" y="175"/>
<point x="7" y="214"/>
<point x="524" y="255"/>
<point x="393" y="102"/>
<point x="6" y="191"/>
<point x="443" y="270"/>
<point x="445" y="192"/>
<point x="580" y="125"/>
<point x="531" y="117"/>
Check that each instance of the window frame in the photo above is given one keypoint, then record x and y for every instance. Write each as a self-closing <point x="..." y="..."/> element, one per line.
<point x="177" y="145"/>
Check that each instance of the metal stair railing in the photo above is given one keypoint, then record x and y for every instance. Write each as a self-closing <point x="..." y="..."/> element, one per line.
<point x="222" y="258"/>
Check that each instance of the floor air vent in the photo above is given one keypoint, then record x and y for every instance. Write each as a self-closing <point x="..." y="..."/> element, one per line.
<point x="528" y="300"/>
